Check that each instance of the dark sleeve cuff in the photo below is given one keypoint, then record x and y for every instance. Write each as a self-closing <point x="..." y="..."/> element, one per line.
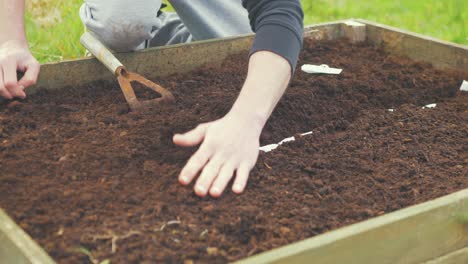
<point x="279" y="40"/>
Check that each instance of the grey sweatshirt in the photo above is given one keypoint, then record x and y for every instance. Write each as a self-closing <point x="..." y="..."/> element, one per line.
<point x="278" y="23"/>
<point x="125" y="25"/>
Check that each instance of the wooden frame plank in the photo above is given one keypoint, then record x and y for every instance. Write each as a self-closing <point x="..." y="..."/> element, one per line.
<point x="152" y="63"/>
<point x="412" y="235"/>
<point x="17" y="247"/>
<point x="441" y="54"/>
<point x="162" y="61"/>
<point x="354" y="31"/>
<point x="157" y="62"/>
<point x="457" y="257"/>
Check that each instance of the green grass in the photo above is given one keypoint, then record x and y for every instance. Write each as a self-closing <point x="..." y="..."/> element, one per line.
<point x="446" y="19"/>
<point x="57" y="40"/>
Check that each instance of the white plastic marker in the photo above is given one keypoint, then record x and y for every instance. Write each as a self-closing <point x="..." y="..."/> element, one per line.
<point x="429" y="106"/>
<point x="424" y="107"/>
<point x="321" y="69"/>
<point x="464" y="86"/>
<point x="270" y="147"/>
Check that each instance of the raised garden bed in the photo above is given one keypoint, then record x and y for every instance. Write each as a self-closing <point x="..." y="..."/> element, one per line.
<point x="90" y="181"/>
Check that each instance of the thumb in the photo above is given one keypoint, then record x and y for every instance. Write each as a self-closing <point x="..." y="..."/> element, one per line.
<point x="10" y="80"/>
<point x="31" y="69"/>
<point x="191" y="138"/>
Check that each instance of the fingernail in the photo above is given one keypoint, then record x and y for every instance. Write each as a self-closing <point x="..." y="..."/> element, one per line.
<point x="200" y="190"/>
<point x="237" y="188"/>
<point x="215" y="191"/>
<point x="176" y="137"/>
<point x="183" y="180"/>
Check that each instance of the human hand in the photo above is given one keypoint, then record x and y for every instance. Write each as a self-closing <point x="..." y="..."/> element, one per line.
<point x="229" y="146"/>
<point x="14" y="56"/>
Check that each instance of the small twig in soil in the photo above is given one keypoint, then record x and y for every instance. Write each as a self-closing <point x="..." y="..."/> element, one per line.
<point x="202" y="234"/>
<point x="60" y="231"/>
<point x="114" y="238"/>
<point x="252" y="251"/>
<point x="169" y="223"/>
<point x="318" y="195"/>
<point x="161" y="228"/>
<point x="173" y="222"/>
<point x="90" y="256"/>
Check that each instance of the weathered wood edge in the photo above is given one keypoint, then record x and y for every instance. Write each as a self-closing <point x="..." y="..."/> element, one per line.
<point x="17" y="246"/>
<point x="411" y="235"/>
<point x="157" y="62"/>
<point x="162" y="61"/>
<point x="456" y="257"/>
<point x="152" y="63"/>
<point x="442" y="54"/>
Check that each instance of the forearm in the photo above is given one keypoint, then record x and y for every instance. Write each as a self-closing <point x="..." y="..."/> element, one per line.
<point x="12" y="21"/>
<point x="267" y="79"/>
<point x="278" y="25"/>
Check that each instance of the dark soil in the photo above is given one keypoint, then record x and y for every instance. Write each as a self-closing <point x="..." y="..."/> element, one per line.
<point x="78" y="171"/>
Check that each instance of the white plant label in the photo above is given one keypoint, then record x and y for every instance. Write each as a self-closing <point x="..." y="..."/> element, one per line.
<point x="429" y="106"/>
<point x="270" y="147"/>
<point x="464" y="86"/>
<point x="320" y="69"/>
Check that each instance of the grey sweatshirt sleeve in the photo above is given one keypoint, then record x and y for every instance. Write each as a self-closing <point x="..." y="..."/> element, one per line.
<point x="279" y="27"/>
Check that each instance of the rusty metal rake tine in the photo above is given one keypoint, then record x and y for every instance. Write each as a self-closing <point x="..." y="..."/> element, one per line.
<point x="124" y="77"/>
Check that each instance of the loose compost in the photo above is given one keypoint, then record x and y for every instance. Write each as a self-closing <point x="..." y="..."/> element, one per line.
<point x="89" y="180"/>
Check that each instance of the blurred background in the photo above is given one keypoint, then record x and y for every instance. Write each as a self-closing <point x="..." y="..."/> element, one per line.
<point x="54" y="28"/>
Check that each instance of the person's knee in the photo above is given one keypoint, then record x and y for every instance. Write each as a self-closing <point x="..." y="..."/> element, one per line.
<point x="122" y="25"/>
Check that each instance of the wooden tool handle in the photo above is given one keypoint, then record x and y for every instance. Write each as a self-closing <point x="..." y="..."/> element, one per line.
<point x="100" y="52"/>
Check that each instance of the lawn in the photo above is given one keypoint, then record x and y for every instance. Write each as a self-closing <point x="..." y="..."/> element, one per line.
<point x="53" y="26"/>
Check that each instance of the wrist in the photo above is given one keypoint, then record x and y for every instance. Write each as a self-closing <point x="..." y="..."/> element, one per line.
<point x="267" y="79"/>
<point x="12" y="22"/>
<point x="249" y="118"/>
<point x="16" y="41"/>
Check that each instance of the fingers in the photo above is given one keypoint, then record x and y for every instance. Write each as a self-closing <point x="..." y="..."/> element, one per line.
<point x="220" y="183"/>
<point x="18" y="91"/>
<point x="217" y="158"/>
<point x="194" y="165"/>
<point x="31" y="69"/>
<point x="191" y="138"/>
<point x="9" y="74"/>
<point x="10" y="80"/>
<point x="9" y="85"/>
<point x="207" y="176"/>
<point x="3" y="90"/>
<point x="242" y="176"/>
<point x="15" y="56"/>
<point x="215" y="176"/>
<point x="216" y="172"/>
